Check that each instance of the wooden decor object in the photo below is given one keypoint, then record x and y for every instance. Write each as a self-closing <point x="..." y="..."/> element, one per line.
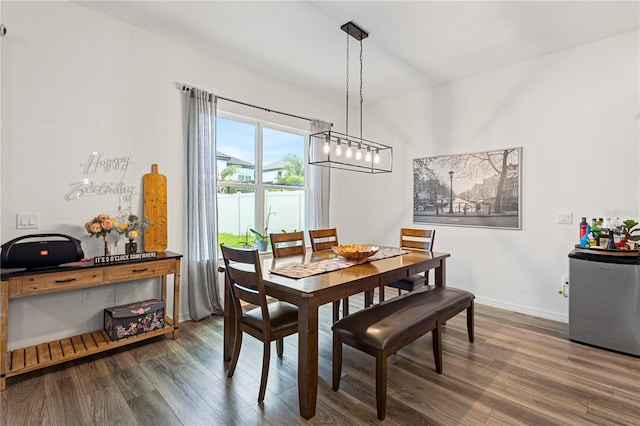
<point x="155" y="209"/>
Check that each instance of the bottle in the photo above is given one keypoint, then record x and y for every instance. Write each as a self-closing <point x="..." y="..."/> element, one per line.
<point x="595" y="230"/>
<point x="583" y="227"/>
<point x="605" y="233"/>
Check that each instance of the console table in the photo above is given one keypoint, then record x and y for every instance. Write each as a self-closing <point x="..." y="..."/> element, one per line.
<point x="73" y="276"/>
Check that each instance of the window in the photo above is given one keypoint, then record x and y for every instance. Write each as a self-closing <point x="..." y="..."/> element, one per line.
<point x="261" y="179"/>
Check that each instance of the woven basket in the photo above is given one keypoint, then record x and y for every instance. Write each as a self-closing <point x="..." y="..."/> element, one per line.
<point x="355" y="251"/>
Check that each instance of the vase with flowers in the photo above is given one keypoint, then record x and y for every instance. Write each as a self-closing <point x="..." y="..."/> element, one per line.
<point x="101" y="227"/>
<point x="131" y="229"/>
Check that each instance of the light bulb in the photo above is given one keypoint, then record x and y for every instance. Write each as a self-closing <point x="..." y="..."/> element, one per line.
<point x="327" y="145"/>
<point x="376" y="158"/>
<point x="338" y="148"/>
<point x="359" y="152"/>
<point x="349" y="152"/>
<point x="367" y="157"/>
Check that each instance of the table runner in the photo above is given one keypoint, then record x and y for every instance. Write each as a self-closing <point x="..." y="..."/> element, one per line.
<point x="329" y="265"/>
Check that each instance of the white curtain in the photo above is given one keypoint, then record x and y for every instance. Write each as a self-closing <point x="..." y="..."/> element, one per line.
<point x="319" y="183"/>
<point x="202" y="232"/>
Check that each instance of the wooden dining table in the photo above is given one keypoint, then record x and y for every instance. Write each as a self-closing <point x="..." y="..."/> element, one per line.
<point x="309" y="293"/>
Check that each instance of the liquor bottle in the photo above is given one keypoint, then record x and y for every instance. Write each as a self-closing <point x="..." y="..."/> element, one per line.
<point x="583" y="227"/>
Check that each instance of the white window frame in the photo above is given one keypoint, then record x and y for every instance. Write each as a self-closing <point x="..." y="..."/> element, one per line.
<point x="259" y="186"/>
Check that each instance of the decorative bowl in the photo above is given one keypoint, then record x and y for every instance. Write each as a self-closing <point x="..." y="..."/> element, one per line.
<point x="355" y="251"/>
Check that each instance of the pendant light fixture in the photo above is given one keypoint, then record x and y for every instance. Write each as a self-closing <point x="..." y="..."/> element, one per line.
<point x="342" y="151"/>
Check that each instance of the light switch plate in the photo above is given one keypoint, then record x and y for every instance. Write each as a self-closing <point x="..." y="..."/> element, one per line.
<point x="27" y="220"/>
<point x="565" y="218"/>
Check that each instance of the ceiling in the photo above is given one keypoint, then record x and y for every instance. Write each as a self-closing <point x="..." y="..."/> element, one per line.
<point x="412" y="45"/>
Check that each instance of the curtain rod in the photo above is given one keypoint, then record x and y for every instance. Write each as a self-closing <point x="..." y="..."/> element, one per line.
<point x="186" y="88"/>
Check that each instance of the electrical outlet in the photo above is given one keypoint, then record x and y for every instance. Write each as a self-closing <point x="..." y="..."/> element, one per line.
<point x="87" y="296"/>
<point x="564" y="218"/>
<point x="564" y="285"/>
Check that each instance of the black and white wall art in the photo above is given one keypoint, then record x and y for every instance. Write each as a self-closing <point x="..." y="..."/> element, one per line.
<point x="476" y="189"/>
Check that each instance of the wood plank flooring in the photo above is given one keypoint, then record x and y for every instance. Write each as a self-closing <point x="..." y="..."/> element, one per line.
<point x="521" y="370"/>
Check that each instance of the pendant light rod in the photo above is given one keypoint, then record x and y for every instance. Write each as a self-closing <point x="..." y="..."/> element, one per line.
<point x="359" y="34"/>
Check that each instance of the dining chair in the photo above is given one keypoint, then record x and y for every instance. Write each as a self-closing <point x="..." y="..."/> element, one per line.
<point x="414" y="239"/>
<point x="287" y="244"/>
<point x="324" y="239"/>
<point x="267" y="321"/>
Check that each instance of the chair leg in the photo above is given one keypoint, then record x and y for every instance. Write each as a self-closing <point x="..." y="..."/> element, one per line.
<point x="266" y="355"/>
<point x="345" y="307"/>
<point x="337" y="362"/>
<point x="470" y="322"/>
<point x="368" y="298"/>
<point x="280" y="346"/>
<point x="381" y="384"/>
<point x="437" y="347"/>
<point x="237" y="343"/>
<point x="336" y="311"/>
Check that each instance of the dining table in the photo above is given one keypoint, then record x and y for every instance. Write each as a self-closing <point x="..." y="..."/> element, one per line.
<point x="308" y="293"/>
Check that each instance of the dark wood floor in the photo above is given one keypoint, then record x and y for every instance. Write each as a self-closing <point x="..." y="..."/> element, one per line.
<point x="520" y="370"/>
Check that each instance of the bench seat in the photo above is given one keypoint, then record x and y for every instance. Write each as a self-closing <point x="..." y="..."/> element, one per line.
<point x="383" y="329"/>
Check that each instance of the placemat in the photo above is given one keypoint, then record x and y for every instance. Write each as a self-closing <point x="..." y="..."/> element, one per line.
<point x="329" y="265"/>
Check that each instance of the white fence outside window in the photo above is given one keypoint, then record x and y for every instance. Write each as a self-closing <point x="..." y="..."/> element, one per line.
<point x="236" y="212"/>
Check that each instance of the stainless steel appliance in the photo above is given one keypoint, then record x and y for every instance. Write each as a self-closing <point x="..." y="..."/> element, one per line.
<point x="604" y="300"/>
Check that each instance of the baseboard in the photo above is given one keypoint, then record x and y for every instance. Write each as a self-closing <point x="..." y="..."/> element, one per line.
<point x="523" y="309"/>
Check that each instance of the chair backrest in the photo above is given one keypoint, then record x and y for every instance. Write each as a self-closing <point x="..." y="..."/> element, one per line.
<point x="244" y="277"/>
<point x="287" y="244"/>
<point x="323" y="239"/>
<point x="417" y="239"/>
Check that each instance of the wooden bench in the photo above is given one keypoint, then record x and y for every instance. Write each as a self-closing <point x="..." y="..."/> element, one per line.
<point x="383" y="329"/>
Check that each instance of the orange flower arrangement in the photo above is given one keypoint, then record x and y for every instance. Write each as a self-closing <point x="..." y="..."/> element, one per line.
<point x="101" y="226"/>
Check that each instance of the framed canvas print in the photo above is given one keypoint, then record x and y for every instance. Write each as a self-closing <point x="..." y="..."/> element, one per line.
<point x="477" y="189"/>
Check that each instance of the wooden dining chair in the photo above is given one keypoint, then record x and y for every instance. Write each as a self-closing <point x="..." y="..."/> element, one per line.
<point x="287" y="244"/>
<point x="266" y="322"/>
<point x="324" y="239"/>
<point x="414" y="239"/>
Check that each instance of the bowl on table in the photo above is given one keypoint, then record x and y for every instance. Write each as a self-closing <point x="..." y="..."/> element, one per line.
<point x="356" y="252"/>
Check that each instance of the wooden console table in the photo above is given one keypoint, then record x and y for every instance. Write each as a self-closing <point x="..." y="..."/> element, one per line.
<point x="73" y="276"/>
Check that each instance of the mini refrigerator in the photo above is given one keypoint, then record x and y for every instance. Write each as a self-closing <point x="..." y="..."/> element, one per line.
<point x="604" y="300"/>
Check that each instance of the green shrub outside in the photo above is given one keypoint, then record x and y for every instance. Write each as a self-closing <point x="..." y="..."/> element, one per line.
<point x="233" y="240"/>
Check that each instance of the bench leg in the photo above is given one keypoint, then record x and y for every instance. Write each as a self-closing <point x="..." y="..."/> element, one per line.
<point x="381" y="385"/>
<point x="470" y="322"/>
<point x="436" y="336"/>
<point x="337" y="361"/>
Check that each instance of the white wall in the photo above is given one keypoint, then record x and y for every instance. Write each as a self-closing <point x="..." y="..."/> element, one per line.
<point x="576" y="115"/>
<point x="74" y="82"/>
